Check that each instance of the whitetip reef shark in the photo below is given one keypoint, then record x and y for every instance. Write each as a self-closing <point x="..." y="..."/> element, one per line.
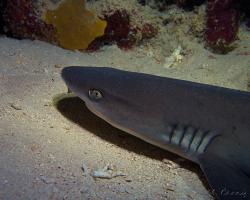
<point x="206" y="124"/>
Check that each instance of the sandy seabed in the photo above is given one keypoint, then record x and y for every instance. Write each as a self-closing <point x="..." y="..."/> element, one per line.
<point x="43" y="148"/>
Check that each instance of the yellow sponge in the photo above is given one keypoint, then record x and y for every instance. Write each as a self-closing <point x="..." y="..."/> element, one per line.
<point x="76" y="27"/>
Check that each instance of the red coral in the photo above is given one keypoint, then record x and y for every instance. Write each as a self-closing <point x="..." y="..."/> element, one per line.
<point x="119" y="30"/>
<point x="222" y="23"/>
<point x="21" y="20"/>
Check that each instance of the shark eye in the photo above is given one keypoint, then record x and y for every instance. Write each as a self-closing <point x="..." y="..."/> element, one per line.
<point x="95" y="94"/>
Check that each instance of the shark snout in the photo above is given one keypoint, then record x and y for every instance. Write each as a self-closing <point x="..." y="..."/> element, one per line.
<point x="74" y="77"/>
<point x="68" y="74"/>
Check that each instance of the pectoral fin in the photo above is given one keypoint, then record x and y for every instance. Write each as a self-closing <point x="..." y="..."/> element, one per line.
<point x="228" y="180"/>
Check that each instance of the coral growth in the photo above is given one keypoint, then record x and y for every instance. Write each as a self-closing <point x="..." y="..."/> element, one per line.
<point x="71" y="26"/>
<point x="74" y="30"/>
<point x="121" y="32"/>
<point x="76" y="27"/>
<point x="22" y="20"/>
<point x="118" y="31"/>
<point x="222" y="23"/>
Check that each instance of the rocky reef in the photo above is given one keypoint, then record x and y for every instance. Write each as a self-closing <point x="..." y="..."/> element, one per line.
<point x="72" y="25"/>
<point x="34" y="20"/>
<point x="222" y="19"/>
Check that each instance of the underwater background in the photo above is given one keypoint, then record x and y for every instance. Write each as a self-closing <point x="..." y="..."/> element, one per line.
<point x="43" y="151"/>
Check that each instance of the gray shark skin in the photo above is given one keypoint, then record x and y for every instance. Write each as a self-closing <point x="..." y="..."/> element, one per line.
<point x="206" y="124"/>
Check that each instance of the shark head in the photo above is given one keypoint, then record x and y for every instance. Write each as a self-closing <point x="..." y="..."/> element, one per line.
<point x="113" y="95"/>
<point x="206" y="124"/>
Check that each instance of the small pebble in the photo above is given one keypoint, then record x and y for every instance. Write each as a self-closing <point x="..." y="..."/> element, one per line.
<point x="84" y="190"/>
<point x="16" y="106"/>
<point x="34" y="147"/>
<point x="57" y="66"/>
<point x="128" y="180"/>
<point x="66" y="128"/>
<point x="108" y="172"/>
<point x="84" y="169"/>
<point x="47" y="180"/>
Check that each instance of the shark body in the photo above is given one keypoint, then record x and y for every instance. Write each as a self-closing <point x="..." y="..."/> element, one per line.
<point x="206" y="124"/>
